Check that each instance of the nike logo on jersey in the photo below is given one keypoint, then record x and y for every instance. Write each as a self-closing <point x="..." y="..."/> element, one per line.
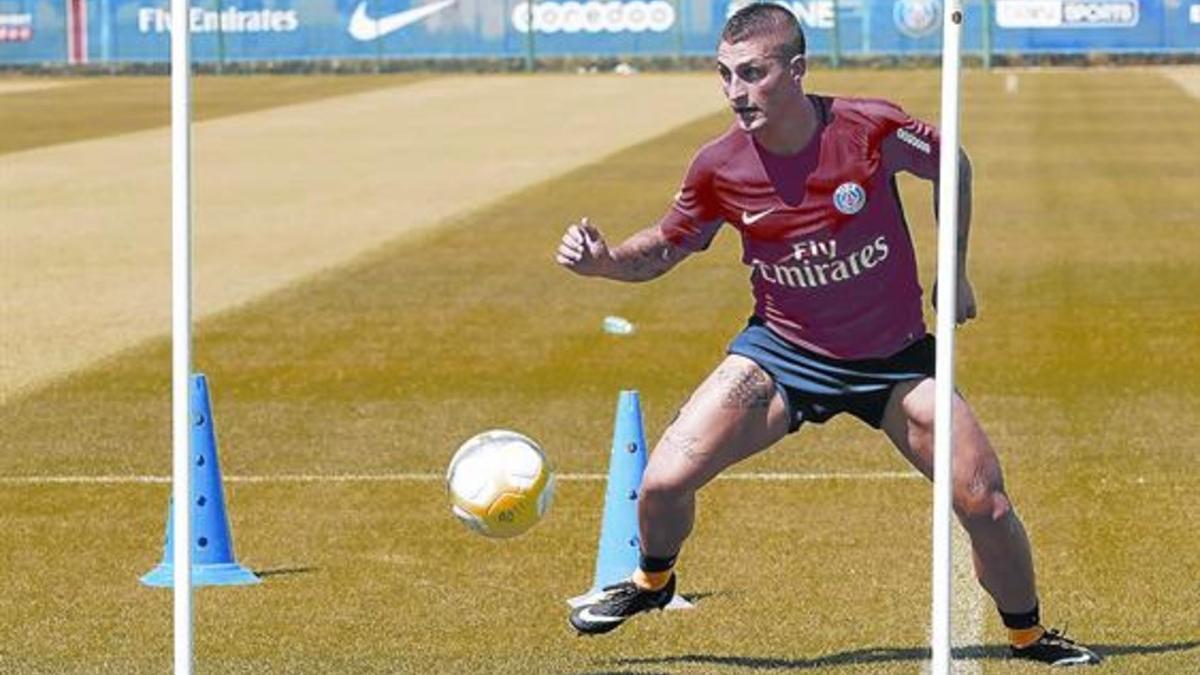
<point x="364" y="28"/>
<point x="752" y="218"/>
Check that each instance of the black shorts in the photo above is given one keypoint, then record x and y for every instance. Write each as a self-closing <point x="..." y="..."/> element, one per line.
<point x="817" y="387"/>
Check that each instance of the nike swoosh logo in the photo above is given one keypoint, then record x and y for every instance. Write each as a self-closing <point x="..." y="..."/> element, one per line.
<point x="752" y="218"/>
<point x="364" y="28"/>
<point x="587" y="615"/>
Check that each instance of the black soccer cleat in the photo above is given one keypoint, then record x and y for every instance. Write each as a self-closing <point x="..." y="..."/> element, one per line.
<point x="618" y="603"/>
<point x="1056" y="649"/>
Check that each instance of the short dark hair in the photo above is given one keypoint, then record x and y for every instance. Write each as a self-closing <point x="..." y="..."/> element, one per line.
<point x="766" y="18"/>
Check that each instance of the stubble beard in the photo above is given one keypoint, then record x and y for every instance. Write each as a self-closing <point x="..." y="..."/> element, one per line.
<point x="753" y="124"/>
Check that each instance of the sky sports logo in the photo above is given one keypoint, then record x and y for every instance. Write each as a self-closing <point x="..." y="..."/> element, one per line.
<point x="1111" y="13"/>
<point x="1067" y="13"/>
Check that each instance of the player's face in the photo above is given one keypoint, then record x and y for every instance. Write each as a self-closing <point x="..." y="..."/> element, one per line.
<point x="757" y="81"/>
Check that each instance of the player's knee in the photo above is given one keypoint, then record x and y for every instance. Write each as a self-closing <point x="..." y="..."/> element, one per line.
<point x="982" y="506"/>
<point x="664" y="487"/>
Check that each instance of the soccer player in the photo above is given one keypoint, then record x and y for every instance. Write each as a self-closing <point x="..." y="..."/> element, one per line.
<point x="809" y="182"/>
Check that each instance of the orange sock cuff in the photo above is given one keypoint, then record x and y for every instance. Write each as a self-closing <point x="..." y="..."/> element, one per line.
<point x="651" y="581"/>
<point x="1023" y="637"/>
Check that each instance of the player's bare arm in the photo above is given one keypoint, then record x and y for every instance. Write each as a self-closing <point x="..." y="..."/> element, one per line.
<point x="643" y="256"/>
<point x="967" y="308"/>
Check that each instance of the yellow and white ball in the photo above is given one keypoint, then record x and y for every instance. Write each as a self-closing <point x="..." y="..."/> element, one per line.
<point x="500" y="483"/>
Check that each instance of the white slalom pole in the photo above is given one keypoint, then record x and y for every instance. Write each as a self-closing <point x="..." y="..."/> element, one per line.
<point x="947" y="274"/>
<point x="181" y="329"/>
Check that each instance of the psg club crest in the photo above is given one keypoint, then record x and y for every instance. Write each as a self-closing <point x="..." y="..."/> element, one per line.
<point x="917" y="18"/>
<point x="849" y="198"/>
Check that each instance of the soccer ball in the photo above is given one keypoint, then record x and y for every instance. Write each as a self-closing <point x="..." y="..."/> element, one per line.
<point x="500" y="483"/>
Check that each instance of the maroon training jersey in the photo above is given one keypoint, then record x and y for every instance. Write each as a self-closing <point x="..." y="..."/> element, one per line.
<point x="832" y="263"/>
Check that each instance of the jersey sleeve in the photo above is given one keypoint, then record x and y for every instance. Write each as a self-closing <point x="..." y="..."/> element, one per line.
<point x="694" y="216"/>
<point x="914" y="147"/>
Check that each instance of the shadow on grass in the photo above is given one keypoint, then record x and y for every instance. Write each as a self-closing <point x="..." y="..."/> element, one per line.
<point x="625" y="672"/>
<point x="695" y="598"/>
<point x="886" y="655"/>
<point x="284" y="571"/>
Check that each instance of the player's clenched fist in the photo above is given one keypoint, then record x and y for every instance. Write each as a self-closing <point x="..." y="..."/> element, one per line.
<point x="583" y="250"/>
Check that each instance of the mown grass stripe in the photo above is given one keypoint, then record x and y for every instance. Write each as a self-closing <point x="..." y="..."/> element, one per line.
<point x="108" y="106"/>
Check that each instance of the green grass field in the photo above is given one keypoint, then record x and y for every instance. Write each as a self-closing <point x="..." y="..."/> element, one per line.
<point x="96" y="107"/>
<point x="1084" y="367"/>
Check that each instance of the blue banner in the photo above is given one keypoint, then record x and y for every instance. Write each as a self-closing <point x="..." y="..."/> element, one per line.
<point x="33" y="31"/>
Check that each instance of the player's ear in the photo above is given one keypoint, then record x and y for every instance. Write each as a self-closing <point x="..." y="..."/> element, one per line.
<point x="797" y="67"/>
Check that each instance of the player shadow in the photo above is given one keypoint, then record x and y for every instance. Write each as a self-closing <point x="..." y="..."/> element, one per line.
<point x="624" y="672"/>
<point x="695" y="598"/>
<point x="870" y="655"/>
<point x="284" y="571"/>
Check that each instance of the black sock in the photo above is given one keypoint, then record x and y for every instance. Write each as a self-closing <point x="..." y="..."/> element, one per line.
<point x="1021" y="620"/>
<point x="648" y="563"/>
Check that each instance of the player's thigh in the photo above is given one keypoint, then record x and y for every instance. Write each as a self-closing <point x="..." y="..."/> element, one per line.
<point x="736" y="412"/>
<point x="908" y="421"/>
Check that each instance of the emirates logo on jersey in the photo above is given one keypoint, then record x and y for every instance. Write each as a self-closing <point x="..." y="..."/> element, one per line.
<point x="850" y="198"/>
<point x="815" y="264"/>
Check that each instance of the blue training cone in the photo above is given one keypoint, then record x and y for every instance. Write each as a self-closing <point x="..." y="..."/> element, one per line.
<point x="619" y="547"/>
<point x="213" y="563"/>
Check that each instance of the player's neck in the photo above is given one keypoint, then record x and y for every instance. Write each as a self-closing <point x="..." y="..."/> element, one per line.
<point x="790" y="132"/>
